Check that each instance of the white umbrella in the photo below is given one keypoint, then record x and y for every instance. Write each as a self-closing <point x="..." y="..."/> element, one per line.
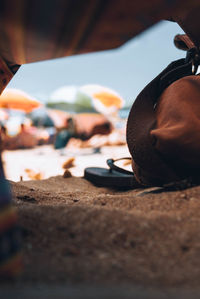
<point x="64" y="94"/>
<point x="71" y="99"/>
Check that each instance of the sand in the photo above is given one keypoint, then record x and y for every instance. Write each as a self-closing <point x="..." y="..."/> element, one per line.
<point x="76" y="233"/>
<point x="48" y="162"/>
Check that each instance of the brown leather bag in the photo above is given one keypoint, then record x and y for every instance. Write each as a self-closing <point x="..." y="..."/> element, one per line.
<point x="163" y="128"/>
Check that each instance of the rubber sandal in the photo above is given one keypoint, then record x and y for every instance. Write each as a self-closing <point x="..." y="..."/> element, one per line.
<point x="113" y="177"/>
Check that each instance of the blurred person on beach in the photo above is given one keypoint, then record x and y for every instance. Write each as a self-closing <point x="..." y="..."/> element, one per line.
<point x="25" y="139"/>
<point x="65" y="134"/>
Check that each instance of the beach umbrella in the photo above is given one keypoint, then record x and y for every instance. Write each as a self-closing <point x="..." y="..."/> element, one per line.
<point x="17" y="99"/>
<point x="65" y="94"/>
<point x="69" y="98"/>
<point x="87" y="98"/>
<point x="104" y="100"/>
<point x="63" y="98"/>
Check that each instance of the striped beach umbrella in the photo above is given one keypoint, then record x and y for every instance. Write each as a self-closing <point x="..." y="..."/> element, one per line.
<point x="105" y="100"/>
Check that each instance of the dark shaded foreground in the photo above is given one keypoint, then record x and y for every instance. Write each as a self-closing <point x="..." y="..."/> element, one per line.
<point x="82" y="240"/>
<point x="91" y="292"/>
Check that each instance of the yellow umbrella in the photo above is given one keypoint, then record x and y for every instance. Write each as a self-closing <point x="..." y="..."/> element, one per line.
<point x="105" y="100"/>
<point x="17" y="99"/>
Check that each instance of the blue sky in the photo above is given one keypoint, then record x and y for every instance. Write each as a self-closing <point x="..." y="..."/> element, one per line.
<point x="126" y="69"/>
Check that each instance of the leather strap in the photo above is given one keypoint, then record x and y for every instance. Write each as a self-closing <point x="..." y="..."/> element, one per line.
<point x="190" y="23"/>
<point x="183" y="42"/>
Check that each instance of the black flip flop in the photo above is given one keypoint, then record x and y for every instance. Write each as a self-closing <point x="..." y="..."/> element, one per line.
<point x="113" y="177"/>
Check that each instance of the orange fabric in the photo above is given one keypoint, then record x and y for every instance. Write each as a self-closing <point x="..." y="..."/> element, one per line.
<point x="32" y="30"/>
<point x="108" y="100"/>
<point x="16" y="99"/>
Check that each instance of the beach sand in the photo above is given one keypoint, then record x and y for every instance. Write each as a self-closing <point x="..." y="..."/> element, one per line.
<point x="79" y="234"/>
<point x="48" y="162"/>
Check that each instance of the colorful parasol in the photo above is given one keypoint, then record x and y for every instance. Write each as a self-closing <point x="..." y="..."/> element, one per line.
<point x="17" y="99"/>
<point x="105" y="100"/>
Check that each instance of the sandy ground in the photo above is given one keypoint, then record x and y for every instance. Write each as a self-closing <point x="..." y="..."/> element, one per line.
<point x="76" y="234"/>
<point x="48" y="162"/>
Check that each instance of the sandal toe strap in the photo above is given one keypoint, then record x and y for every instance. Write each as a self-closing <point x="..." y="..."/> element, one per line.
<point x="112" y="166"/>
